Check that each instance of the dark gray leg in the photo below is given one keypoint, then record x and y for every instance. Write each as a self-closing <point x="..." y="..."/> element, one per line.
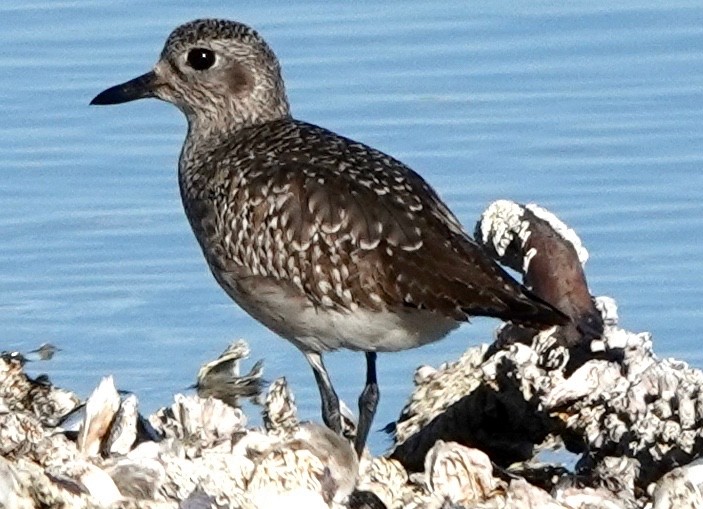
<point x="368" y="401"/>
<point x="330" y="402"/>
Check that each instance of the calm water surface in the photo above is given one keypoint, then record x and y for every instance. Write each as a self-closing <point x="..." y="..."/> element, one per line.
<point x="591" y="109"/>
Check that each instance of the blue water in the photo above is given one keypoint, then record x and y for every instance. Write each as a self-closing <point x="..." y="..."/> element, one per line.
<point x="592" y="109"/>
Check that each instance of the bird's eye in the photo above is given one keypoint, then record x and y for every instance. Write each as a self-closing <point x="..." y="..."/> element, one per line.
<point x="201" y="58"/>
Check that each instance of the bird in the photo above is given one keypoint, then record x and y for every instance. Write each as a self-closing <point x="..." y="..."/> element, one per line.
<point x="326" y="241"/>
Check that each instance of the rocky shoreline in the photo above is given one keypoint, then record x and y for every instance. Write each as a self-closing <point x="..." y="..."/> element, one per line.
<point x="471" y="435"/>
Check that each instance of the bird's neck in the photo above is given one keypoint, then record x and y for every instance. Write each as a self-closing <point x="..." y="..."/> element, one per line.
<point x="203" y="140"/>
<point x="210" y="126"/>
<point x="232" y="113"/>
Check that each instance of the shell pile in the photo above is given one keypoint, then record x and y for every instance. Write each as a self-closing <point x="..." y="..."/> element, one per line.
<point x="478" y="432"/>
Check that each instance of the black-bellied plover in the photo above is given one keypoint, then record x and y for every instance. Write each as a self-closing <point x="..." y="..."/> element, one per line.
<point x="326" y="241"/>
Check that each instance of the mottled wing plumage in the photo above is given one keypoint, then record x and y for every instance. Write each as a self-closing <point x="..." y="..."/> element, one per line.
<point x="349" y="226"/>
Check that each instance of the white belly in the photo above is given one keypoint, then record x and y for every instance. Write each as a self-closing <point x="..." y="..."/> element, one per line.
<point x="371" y="331"/>
<point x="320" y="329"/>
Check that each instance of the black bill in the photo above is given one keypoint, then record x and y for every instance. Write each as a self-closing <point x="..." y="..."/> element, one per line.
<point x="131" y="90"/>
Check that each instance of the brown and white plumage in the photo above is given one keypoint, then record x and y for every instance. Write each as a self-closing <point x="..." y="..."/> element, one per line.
<point x="326" y="241"/>
<point x="345" y="225"/>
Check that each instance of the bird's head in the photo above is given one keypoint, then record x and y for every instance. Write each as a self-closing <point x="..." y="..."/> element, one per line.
<point x="220" y="73"/>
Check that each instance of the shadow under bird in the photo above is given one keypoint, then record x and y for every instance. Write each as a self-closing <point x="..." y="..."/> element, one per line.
<point x="326" y="241"/>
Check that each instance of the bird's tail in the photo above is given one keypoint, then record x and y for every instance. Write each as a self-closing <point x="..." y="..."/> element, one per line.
<point x="576" y="326"/>
<point x="529" y="310"/>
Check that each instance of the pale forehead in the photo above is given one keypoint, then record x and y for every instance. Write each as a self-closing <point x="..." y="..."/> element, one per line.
<point x="210" y="32"/>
